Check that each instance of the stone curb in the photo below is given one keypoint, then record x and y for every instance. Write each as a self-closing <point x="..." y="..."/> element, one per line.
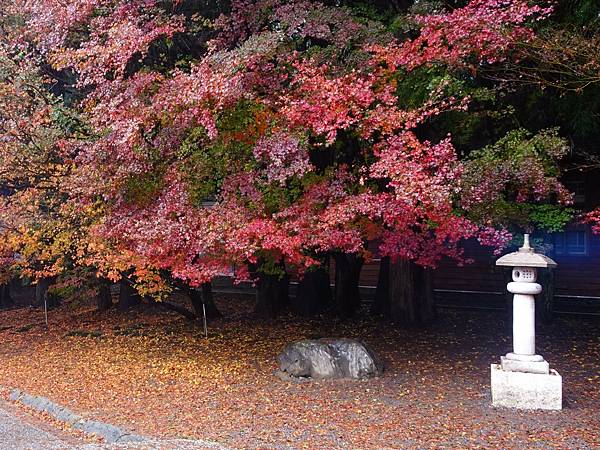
<point x="110" y="433"/>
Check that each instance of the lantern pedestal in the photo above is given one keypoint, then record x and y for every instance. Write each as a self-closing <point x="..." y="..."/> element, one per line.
<point x="515" y="363"/>
<point x="523" y="379"/>
<point x="526" y="390"/>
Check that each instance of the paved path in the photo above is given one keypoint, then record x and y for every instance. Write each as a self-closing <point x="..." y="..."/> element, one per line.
<point x="20" y="431"/>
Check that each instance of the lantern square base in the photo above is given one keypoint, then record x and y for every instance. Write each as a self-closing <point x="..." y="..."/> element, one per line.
<point x="526" y="390"/>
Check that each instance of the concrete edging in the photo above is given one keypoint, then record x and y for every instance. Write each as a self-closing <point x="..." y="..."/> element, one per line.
<point x="110" y="433"/>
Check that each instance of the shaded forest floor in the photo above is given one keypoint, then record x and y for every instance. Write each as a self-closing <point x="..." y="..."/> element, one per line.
<point x="155" y="373"/>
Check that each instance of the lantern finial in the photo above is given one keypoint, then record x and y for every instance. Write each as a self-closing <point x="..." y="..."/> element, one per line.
<point x="526" y="247"/>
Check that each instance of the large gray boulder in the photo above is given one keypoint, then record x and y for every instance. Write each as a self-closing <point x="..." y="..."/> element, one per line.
<point x="329" y="358"/>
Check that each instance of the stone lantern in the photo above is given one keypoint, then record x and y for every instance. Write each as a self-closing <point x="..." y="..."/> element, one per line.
<point x="523" y="379"/>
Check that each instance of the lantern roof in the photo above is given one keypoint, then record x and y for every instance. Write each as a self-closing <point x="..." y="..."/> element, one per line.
<point x="526" y="257"/>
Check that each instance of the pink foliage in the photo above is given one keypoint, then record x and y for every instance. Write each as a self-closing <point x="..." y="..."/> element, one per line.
<point x="143" y="118"/>
<point x="284" y="155"/>
<point x="114" y="39"/>
<point x="593" y="218"/>
<point x="481" y="32"/>
<point x="327" y="105"/>
<point x="492" y="237"/>
<point x="294" y="19"/>
<point x="51" y="20"/>
<point x="420" y="175"/>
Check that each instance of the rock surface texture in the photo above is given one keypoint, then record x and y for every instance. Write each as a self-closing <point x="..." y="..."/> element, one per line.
<point x="329" y="358"/>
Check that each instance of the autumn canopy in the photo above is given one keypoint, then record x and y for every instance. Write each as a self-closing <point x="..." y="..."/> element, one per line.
<point x="173" y="142"/>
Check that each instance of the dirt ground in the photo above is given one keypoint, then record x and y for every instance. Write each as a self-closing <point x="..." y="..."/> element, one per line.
<point x="156" y="374"/>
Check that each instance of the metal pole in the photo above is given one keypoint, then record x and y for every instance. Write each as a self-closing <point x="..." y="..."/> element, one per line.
<point x="204" y="318"/>
<point x="46" y="309"/>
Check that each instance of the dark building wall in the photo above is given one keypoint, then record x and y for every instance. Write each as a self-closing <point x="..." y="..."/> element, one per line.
<point x="576" y="278"/>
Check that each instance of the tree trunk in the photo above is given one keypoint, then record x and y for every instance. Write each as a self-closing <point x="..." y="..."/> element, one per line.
<point x="347" y="293"/>
<point x="170" y="306"/>
<point x="313" y="294"/>
<point x="41" y="290"/>
<point x="381" y="302"/>
<point x="128" y="297"/>
<point x="212" y="312"/>
<point x="5" y="298"/>
<point x="41" y="293"/>
<point x="104" y="299"/>
<point x="405" y="293"/>
<point x="544" y="302"/>
<point x="203" y="296"/>
<point x="272" y="294"/>
<point x="178" y="309"/>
